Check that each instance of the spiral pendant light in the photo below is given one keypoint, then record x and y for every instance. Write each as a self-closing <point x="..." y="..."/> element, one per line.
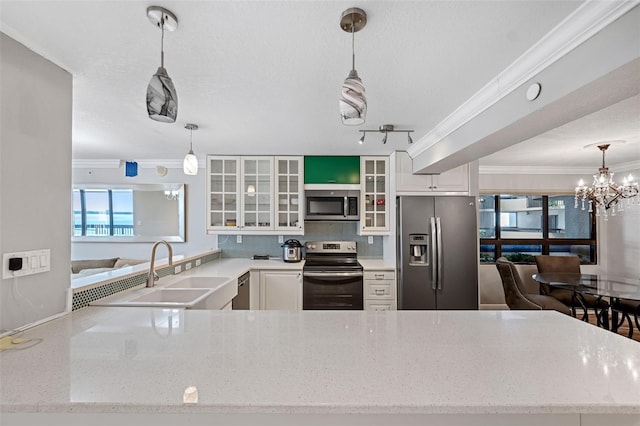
<point x="353" y="98"/>
<point x="162" y="100"/>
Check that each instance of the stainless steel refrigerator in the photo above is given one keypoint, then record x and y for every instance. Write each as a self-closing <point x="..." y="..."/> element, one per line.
<point x="437" y="252"/>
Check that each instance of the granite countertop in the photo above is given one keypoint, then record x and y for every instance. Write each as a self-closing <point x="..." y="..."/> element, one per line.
<point x="141" y="360"/>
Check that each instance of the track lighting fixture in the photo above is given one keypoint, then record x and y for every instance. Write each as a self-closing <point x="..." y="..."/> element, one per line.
<point x="386" y="129"/>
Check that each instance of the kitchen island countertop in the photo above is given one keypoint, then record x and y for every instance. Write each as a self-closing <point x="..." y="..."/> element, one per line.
<point x="141" y="360"/>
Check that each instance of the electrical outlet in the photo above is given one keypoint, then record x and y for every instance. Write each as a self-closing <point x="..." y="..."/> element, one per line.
<point x="187" y="266"/>
<point x="198" y="262"/>
<point x="239" y="239"/>
<point x="370" y="239"/>
<point x="177" y="269"/>
<point x="280" y="239"/>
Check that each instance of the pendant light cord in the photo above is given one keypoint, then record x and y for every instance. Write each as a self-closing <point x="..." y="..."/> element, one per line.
<point x="353" y="49"/>
<point x="162" y="41"/>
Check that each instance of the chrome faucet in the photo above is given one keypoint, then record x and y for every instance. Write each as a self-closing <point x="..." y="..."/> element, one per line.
<point x="153" y="276"/>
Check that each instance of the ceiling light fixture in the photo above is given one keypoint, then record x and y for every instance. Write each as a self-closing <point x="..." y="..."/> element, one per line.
<point x="604" y="194"/>
<point x="353" y="98"/>
<point x="386" y="129"/>
<point x="190" y="164"/>
<point x="162" y="100"/>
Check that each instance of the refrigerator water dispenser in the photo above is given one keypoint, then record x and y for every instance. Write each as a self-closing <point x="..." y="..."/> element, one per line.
<point x="418" y="249"/>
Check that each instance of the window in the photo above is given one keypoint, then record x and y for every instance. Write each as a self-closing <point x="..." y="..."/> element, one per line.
<point x="102" y="212"/>
<point x="519" y="227"/>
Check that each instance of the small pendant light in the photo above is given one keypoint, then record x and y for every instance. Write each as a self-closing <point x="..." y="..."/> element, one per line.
<point x="190" y="164"/>
<point x="162" y="100"/>
<point x="353" y="98"/>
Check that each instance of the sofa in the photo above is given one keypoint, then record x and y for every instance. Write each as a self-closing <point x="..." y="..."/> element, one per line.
<point x="82" y="268"/>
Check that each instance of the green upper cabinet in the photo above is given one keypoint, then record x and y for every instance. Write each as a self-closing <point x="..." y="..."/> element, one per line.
<point x="332" y="169"/>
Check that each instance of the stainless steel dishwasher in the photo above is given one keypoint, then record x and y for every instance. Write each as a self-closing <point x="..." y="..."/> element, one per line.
<point x="241" y="301"/>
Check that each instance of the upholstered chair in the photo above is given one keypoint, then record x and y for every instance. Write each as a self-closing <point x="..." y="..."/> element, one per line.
<point x="570" y="264"/>
<point x="518" y="297"/>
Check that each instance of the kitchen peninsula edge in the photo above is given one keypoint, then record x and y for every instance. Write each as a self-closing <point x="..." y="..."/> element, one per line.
<point x="354" y="367"/>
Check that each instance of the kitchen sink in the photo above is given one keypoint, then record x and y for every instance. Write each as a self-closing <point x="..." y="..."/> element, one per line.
<point x="183" y="295"/>
<point x="185" y="298"/>
<point x="199" y="282"/>
<point x="188" y="293"/>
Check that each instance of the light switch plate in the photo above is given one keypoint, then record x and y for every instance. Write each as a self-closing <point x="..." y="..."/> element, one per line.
<point x="239" y="239"/>
<point x="33" y="262"/>
<point x="280" y="239"/>
<point x="370" y="239"/>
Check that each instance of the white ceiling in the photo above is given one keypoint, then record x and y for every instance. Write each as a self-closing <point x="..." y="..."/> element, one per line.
<point x="264" y="77"/>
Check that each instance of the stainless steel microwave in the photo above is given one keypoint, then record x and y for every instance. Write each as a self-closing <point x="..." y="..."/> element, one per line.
<point x="331" y="205"/>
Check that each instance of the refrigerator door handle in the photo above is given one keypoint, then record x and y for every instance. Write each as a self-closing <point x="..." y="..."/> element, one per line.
<point x="439" y="233"/>
<point x="434" y="254"/>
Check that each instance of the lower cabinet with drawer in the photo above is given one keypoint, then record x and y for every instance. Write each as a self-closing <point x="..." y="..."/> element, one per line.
<point x="380" y="290"/>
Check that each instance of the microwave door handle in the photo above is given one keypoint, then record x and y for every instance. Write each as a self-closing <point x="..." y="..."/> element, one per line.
<point x="434" y="255"/>
<point x="345" y="210"/>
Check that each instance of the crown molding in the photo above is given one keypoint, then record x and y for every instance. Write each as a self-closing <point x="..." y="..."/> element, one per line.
<point x="554" y="170"/>
<point x="143" y="164"/>
<point x="96" y="164"/>
<point x="587" y="20"/>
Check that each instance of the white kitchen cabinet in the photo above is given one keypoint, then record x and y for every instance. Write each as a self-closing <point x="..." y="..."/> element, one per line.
<point x="254" y="195"/>
<point x="257" y="193"/>
<point x="374" y="195"/>
<point x="455" y="180"/>
<point x="289" y="184"/>
<point x="223" y="193"/>
<point x="281" y="290"/>
<point x="380" y="290"/>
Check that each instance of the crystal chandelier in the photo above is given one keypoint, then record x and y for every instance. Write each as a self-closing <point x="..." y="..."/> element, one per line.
<point x="604" y="194"/>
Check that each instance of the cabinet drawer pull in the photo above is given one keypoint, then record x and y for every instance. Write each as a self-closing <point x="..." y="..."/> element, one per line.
<point x="379" y="291"/>
<point x="378" y="276"/>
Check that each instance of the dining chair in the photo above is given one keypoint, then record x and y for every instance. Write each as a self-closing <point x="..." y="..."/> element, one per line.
<point x="627" y="309"/>
<point x="571" y="264"/>
<point x="517" y="295"/>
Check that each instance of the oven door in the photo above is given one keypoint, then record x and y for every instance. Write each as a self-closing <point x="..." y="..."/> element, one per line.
<point x="332" y="290"/>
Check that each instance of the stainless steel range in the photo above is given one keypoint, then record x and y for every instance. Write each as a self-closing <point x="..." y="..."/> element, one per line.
<point x="332" y="276"/>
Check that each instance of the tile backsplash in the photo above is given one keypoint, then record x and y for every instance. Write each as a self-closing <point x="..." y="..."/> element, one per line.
<point x="313" y="231"/>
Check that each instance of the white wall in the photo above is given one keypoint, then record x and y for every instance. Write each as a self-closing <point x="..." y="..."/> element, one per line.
<point x="618" y="237"/>
<point x="35" y="180"/>
<point x="195" y="187"/>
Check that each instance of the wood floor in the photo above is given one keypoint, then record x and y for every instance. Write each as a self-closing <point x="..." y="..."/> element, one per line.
<point x="623" y="330"/>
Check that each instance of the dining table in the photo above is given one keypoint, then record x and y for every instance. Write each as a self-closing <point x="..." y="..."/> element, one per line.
<point x="618" y="290"/>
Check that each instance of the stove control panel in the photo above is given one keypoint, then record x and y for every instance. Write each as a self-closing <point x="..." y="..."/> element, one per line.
<point x="331" y="246"/>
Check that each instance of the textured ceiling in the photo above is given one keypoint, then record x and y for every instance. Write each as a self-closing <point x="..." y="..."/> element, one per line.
<point x="566" y="146"/>
<point x="264" y="77"/>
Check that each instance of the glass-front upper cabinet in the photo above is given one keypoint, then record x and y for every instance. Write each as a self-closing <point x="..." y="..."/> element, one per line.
<point x="374" y="207"/>
<point x="223" y="199"/>
<point x="257" y="193"/>
<point x="289" y="193"/>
